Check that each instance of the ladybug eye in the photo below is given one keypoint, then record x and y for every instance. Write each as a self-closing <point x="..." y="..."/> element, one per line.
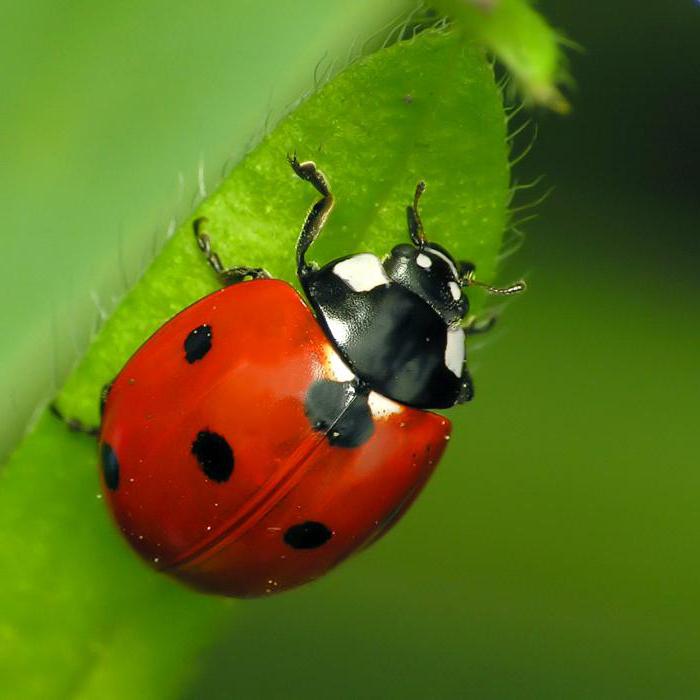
<point x="465" y="269"/>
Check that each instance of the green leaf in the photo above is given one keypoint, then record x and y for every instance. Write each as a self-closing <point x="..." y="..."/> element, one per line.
<point x="521" y="39"/>
<point x="426" y="109"/>
<point x="113" y="117"/>
<point x="79" y="613"/>
<point x="76" y="603"/>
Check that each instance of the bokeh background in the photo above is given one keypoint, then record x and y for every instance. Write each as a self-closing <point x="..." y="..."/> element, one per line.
<point x="555" y="553"/>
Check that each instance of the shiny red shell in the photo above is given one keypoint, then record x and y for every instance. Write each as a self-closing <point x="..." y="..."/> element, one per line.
<point x="232" y="536"/>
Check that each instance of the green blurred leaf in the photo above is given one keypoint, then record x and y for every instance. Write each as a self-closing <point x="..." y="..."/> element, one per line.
<point x="114" y="117"/>
<point x="521" y="39"/>
<point x="80" y="616"/>
<point x="76" y="603"/>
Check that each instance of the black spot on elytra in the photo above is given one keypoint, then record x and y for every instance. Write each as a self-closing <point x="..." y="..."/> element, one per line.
<point x="308" y="535"/>
<point x="214" y="455"/>
<point x="197" y="343"/>
<point x="341" y="411"/>
<point x="110" y="467"/>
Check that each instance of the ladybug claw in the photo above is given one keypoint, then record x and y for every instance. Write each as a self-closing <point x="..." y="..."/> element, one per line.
<point x="75" y="425"/>
<point x="476" y="325"/>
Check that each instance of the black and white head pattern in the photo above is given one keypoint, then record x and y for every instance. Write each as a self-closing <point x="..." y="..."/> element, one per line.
<point x="396" y="323"/>
<point x="432" y="274"/>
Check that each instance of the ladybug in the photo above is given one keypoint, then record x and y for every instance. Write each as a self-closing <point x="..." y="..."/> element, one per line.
<point x="256" y="439"/>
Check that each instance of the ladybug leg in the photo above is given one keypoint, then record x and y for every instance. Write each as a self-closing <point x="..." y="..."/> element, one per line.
<point x="415" y="223"/>
<point x="316" y="218"/>
<point x="466" y="392"/>
<point x="473" y="325"/>
<point x="103" y="397"/>
<point x="230" y="275"/>
<point x="75" y="425"/>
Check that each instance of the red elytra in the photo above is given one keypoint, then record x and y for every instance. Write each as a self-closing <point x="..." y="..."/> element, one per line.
<point x="292" y="499"/>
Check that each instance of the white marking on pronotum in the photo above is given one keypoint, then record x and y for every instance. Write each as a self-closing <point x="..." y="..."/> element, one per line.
<point x="362" y="272"/>
<point x="341" y="372"/>
<point x="382" y="407"/>
<point x="338" y="330"/>
<point x="454" y="351"/>
<point x="422" y="260"/>
<point x="455" y="290"/>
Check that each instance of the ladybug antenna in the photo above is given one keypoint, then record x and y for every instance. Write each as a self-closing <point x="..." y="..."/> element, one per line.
<point x="415" y="225"/>
<point x="514" y="288"/>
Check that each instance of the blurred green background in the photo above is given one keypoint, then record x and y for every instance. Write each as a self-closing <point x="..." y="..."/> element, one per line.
<point x="115" y="121"/>
<point x="554" y="554"/>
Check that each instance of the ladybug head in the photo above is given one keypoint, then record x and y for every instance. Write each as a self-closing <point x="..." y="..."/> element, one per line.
<point x="428" y="269"/>
<point x="430" y="272"/>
